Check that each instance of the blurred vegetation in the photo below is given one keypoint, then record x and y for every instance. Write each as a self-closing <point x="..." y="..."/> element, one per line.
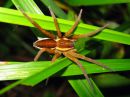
<point x="16" y="45"/>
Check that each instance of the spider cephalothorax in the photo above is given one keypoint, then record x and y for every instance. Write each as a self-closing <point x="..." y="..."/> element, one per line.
<point x="59" y="44"/>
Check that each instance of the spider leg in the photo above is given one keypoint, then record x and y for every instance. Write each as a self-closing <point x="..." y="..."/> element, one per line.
<point x="37" y="25"/>
<point x="39" y="54"/>
<point x="51" y="51"/>
<point x="55" y="56"/>
<point x="67" y="34"/>
<point x="43" y="50"/>
<point x="68" y="55"/>
<point x="56" y="23"/>
<point x="90" y="33"/>
<point x="89" y="60"/>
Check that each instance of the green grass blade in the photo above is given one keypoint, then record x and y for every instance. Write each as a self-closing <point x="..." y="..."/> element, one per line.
<point x="46" y="70"/>
<point x="82" y="88"/>
<point x="45" y="73"/>
<point x="26" y="68"/>
<point x="27" y="6"/>
<point x="39" y="76"/>
<point x="59" y="12"/>
<point x="20" y="70"/>
<point x="13" y="16"/>
<point x="115" y="64"/>
<point x="95" y="2"/>
<point x="111" y="80"/>
<point x="8" y="4"/>
<point x="30" y="7"/>
<point x="2" y="91"/>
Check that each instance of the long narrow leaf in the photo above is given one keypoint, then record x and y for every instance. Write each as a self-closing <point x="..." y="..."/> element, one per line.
<point x="35" y="78"/>
<point x="20" y="70"/>
<point x="83" y="89"/>
<point x="13" y="16"/>
<point x="39" y="76"/>
<point x="110" y="80"/>
<point x="95" y="2"/>
<point x="59" y="12"/>
<point x="115" y="64"/>
<point x="27" y="6"/>
<point x="8" y="3"/>
<point x="31" y="7"/>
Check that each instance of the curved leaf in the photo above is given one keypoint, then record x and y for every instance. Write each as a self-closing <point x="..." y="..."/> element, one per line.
<point x="13" y="16"/>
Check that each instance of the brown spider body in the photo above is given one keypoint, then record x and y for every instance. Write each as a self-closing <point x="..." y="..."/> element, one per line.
<point x="61" y="44"/>
<point x="64" y="44"/>
<point x="45" y="43"/>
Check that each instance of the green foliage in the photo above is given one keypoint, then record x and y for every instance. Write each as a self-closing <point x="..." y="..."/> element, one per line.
<point x="27" y="5"/>
<point x="13" y="16"/>
<point x="26" y="69"/>
<point x="58" y="11"/>
<point x="31" y="73"/>
<point x="96" y="2"/>
<point x="82" y="89"/>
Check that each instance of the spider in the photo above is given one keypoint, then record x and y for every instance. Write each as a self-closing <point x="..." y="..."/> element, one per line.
<point x="63" y="44"/>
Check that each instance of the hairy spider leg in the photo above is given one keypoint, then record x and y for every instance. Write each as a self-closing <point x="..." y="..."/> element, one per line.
<point x="90" y="33"/>
<point x="74" y="59"/>
<point x="74" y="54"/>
<point x="57" y="55"/>
<point x="67" y="34"/>
<point x="48" y="34"/>
<point x="43" y="50"/>
<point x="56" y="23"/>
<point x="39" y="53"/>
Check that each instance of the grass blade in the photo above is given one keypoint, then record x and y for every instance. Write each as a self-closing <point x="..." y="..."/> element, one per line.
<point x="13" y="16"/>
<point x="59" y="12"/>
<point x="96" y="2"/>
<point x="116" y="64"/>
<point x="83" y="89"/>
<point x="27" y="6"/>
<point x="2" y="91"/>
<point x="20" y="70"/>
<point x="110" y="80"/>
<point x="45" y="73"/>
<point x="30" y="7"/>
<point x="8" y="4"/>
<point x="39" y="76"/>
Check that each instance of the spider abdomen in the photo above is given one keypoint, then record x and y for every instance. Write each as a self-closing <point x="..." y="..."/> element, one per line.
<point x="45" y="43"/>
